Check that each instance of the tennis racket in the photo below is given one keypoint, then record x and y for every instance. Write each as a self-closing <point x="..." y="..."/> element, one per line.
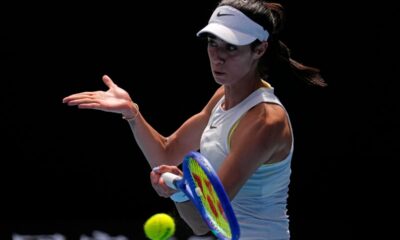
<point x="202" y="186"/>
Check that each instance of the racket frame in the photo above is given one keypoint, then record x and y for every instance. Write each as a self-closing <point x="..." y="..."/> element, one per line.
<point x="188" y="186"/>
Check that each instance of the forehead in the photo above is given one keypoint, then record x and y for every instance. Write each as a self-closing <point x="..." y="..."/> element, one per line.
<point x="219" y="40"/>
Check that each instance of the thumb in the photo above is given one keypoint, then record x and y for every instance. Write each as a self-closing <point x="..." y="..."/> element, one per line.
<point x="154" y="177"/>
<point x="107" y="80"/>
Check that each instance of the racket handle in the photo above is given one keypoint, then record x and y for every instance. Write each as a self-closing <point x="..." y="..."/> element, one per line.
<point x="170" y="179"/>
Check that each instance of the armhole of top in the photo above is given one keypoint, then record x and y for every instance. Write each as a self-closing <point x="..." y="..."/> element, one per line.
<point x="233" y="128"/>
<point x="266" y="84"/>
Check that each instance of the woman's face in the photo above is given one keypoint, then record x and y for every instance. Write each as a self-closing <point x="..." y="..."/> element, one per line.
<point x="230" y="63"/>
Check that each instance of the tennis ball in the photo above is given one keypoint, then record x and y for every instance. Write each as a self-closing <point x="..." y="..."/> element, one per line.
<point x="160" y="226"/>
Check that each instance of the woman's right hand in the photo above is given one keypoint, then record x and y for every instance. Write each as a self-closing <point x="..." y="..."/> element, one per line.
<point x="115" y="99"/>
<point x="162" y="189"/>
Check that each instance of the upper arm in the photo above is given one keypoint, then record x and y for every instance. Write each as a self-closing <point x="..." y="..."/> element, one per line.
<point x="262" y="136"/>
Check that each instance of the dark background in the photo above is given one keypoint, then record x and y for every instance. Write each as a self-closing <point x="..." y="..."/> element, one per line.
<point x="73" y="171"/>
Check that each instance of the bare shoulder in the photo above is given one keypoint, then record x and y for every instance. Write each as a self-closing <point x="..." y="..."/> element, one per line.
<point x="266" y="117"/>
<point x="264" y="130"/>
<point x="214" y="99"/>
<point x="218" y="94"/>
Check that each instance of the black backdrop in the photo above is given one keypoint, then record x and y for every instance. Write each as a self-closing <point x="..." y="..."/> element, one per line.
<point x="74" y="171"/>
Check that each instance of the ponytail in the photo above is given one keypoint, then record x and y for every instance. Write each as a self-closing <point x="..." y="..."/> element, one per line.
<point x="277" y="60"/>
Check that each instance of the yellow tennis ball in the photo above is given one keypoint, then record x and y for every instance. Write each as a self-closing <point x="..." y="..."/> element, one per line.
<point x="160" y="226"/>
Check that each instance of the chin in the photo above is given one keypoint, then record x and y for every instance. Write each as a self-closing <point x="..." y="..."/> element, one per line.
<point x="220" y="80"/>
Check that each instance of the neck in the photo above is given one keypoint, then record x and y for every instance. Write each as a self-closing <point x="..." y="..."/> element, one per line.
<point x="237" y="92"/>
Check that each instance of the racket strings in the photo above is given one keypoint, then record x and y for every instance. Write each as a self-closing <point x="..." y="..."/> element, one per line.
<point x="210" y="200"/>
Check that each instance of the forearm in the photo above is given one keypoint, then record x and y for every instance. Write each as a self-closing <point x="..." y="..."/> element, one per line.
<point x="172" y="149"/>
<point x="192" y="217"/>
<point x="152" y="143"/>
<point x="169" y="150"/>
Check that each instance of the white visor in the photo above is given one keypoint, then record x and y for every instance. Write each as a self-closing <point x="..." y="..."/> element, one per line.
<point x="234" y="27"/>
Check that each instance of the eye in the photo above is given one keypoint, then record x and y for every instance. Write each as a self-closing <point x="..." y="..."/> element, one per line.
<point x="211" y="42"/>
<point x="231" y="47"/>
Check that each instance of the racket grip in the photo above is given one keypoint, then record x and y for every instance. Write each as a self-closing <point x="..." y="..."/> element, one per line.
<point x="170" y="178"/>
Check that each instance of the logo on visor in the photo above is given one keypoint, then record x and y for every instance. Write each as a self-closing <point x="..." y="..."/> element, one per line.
<point x="219" y="14"/>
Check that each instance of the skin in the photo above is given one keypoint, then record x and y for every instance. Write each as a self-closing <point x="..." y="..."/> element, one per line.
<point x="262" y="136"/>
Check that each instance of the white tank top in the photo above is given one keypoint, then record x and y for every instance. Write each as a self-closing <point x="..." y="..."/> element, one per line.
<point x="261" y="204"/>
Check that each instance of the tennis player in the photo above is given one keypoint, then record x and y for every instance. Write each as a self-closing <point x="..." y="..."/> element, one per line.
<point x="244" y="130"/>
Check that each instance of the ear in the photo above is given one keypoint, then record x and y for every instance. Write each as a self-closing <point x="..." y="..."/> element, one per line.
<point x="261" y="49"/>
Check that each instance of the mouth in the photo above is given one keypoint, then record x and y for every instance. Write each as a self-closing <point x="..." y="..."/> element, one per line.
<point x="218" y="73"/>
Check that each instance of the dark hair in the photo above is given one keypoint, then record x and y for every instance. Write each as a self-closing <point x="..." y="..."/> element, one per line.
<point x="277" y="61"/>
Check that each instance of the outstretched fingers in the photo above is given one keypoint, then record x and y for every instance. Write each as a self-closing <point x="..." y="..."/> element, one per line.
<point x="96" y="106"/>
<point x="85" y="102"/>
<point x="71" y="99"/>
<point x="107" y="81"/>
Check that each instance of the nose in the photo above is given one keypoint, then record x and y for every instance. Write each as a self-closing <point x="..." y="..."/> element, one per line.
<point x="217" y="56"/>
